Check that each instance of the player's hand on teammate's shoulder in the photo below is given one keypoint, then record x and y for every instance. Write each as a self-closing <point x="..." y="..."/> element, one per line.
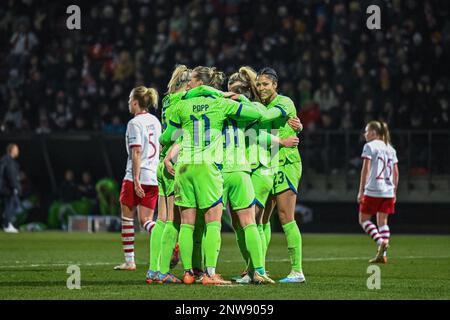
<point x="231" y="95"/>
<point x="138" y="189"/>
<point x="295" y="124"/>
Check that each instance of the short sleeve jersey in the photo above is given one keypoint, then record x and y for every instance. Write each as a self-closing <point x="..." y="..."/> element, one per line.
<point x="235" y="146"/>
<point x="383" y="158"/>
<point x="202" y="119"/>
<point x="287" y="108"/>
<point x="144" y="131"/>
<point x="260" y="152"/>
<point x="168" y="104"/>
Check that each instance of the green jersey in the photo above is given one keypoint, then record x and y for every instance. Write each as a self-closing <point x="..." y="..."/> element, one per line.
<point x="172" y="99"/>
<point x="244" y="147"/>
<point x="259" y="142"/>
<point x="287" y="108"/>
<point x="202" y="119"/>
<point x="235" y="146"/>
<point x="167" y="106"/>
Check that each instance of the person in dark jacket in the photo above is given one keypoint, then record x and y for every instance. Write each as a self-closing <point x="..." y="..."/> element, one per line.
<point x="10" y="186"/>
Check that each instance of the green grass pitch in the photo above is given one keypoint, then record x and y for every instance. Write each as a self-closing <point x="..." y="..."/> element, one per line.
<point x="34" y="266"/>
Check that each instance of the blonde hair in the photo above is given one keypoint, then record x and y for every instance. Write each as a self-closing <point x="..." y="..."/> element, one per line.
<point x="180" y="77"/>
<point x="246" y="76"/>
<point x="146" y="97"/>
<point x="381" y="129"/>
<point x="210" y="76"/>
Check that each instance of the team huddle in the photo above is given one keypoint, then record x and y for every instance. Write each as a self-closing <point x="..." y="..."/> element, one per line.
<point x="216" y="150"/>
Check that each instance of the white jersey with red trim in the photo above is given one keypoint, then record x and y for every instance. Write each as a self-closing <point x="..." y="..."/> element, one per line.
<point x="144" y="131"/>
<point x="383" y="158"/>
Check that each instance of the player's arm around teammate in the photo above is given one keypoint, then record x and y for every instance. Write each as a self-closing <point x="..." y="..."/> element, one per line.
<point x="163" y="246"/>
<point x="242" y="85"/>
<point x="197" y="179"/>
<point x="238" y="187"/>
<point x="168" y="212"/>
<point x="139" y="187"/>
<point x="199" y="77"/>
<point x="288" y="173"/>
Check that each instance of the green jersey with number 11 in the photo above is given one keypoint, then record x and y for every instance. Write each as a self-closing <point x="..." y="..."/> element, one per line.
<point x="202" y="119"/>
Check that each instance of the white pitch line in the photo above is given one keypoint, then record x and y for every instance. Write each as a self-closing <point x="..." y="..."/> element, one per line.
<point x="27" y="264"/>
<point x="363" y="258"/>
<point x="348" y="258"/>
<point x="37" y="265"/>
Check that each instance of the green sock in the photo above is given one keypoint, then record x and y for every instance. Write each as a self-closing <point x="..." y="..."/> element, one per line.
<point x="168" y="243"/>
<point x="212" y="243"/>
<point x="203" y="248"/>
<point x="262" y="236"/>
<point x="197" y="254"/>
<point x="254" y="247"/>
<point x="294" y="242"/>
<point x="268" y="233"/>
<point x="155" y="244"/>
<point x="186" y="243"/>
<point x="240" y="239"/>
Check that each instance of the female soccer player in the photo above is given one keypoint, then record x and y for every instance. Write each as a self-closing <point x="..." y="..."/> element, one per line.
<point x="241" y="187"/>
<point x="205" y="87"/>
<point x="140" y="186"/>
<point x="167" y="225"/>
<point x="378" y="186"/>
<point x="198" y="181"/>
<point x="238" y="187"/>
<point x="167" y="212"/>
<point x="287" y="173"/>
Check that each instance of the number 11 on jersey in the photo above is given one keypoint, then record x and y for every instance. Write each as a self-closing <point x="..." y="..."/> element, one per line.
<point x="197" y="129"/>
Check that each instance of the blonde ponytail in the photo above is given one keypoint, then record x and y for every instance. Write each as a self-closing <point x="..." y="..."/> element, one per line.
<point x="250" y="75"/>
<point x="386" y="135"/>
<point x="246" y="77"/>
<point x="381" y="129"/>
<point x="180" y="77"/>
<point x="210" y="76"/>
<point x="217" y="78"/>
<point x="146" y="97"/>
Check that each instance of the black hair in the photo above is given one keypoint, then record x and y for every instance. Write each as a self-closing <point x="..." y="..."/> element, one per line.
<point x="271" y="73"/>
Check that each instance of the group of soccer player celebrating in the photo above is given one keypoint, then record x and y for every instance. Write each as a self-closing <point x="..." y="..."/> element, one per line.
<point x="234" y="149"/>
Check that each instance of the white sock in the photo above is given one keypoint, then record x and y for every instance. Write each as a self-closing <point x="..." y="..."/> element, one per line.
<point x="211" y="271"/>
<point x="128" y="239"/>
<point x="372" y="231"/>
<point x="148" y="225"/>
<point x="385" y="234"/>
<point x="296" y="274"/>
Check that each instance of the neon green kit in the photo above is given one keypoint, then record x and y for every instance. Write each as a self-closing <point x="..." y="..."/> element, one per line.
<point x="165" y="179"/>
<point x="289" y="169"/>
<point x="261" y="158"/>
<point x="198" y="180"/>
<point x="238" y="188"/>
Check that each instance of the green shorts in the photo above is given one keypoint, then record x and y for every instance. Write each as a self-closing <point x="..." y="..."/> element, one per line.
<point x="238" y="189"/>
<point x="198" y="185"/>
<point x="287" y="177"/>
<point x="262" y="180"/>
<point x="165" y="181"/>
